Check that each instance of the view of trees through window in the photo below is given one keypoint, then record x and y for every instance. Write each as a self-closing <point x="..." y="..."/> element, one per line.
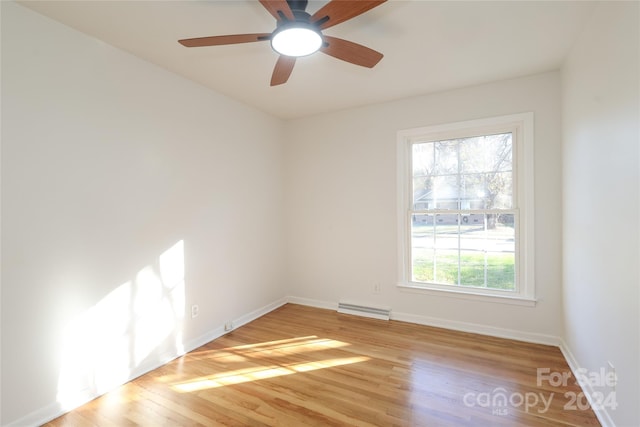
<point x="463" y="216"/>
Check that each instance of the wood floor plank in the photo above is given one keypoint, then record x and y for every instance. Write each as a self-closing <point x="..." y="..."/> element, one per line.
<point x="303" y="366"/>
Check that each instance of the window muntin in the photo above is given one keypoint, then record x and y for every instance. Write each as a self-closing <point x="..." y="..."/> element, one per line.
<point x="463" y="189"/>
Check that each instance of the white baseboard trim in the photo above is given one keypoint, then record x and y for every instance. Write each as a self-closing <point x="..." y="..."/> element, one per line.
<point x="446" y="324"/>
<point x="242" y="320"/>
<point x="250" y="317"/>
<point x="475" y="328"/>
<point x="40" y="416"/>
<point x="54" y="410"/>
<point x="601" y="413"/>
<point x="81" y="397"/>
<point x="313" y="302"/>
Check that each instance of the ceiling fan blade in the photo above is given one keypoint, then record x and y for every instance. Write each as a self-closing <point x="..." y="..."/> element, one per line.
<point x="351" y="52"/>
<point x="222" y="40"/>
<point x="339" y="11"/>
<point x="282" y="70"/>
<point x="273" y="6"/>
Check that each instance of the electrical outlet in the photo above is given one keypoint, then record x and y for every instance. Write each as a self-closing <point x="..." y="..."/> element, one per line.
<point x="194" y="311"/>
<point x="377" y="288"/>
<point x="228" y="326"/>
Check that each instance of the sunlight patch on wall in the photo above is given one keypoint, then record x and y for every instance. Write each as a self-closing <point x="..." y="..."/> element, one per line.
<point x="102" y="347"/>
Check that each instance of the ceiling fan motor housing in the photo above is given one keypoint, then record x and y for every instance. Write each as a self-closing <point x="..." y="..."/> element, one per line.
<point x="298" y="5"/>
<point x="298" y="8"/>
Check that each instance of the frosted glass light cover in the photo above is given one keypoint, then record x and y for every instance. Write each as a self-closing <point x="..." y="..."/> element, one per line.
<point x="296" y="41"/>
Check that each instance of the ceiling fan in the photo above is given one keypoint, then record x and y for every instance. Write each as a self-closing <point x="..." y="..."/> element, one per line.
<point x="298" y="34"/>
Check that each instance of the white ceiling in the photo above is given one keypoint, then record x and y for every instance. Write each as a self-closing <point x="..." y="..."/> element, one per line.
<point x="429" y="46"/>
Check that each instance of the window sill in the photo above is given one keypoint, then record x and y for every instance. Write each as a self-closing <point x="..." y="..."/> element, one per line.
<point x="470" y="296"/>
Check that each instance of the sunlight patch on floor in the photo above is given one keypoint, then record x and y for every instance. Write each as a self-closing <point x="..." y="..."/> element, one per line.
<point x="260" y="373"/>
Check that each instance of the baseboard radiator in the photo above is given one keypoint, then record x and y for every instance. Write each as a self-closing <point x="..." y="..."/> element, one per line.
<point x="382" y="313"/>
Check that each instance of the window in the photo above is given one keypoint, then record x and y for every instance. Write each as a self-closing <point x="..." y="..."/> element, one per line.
<point x="465" y="208"/>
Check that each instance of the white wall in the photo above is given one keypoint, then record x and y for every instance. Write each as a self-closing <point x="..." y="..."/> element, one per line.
<point x="107" y="163"/>
<point x="601" y="116"/>
<point x="341" y="205"/>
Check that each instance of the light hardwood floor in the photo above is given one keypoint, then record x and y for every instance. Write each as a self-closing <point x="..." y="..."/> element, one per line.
<point x="301" y="366"/>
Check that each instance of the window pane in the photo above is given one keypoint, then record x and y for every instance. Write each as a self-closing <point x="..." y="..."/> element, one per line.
<point x="472" y="191"/>
<point x="422" y="174"/>
<point x="422" y="159"/>
<point x="501" y="250"/>
<point x="472" y="249"/>
<point x="472" y="269"/>
<point x="446" y="159"/>
<point x="422" y="186"/>
<point x="445" y="192"/>
<point x="422" y="248"/>
<point x="498" y="190"/>
<point x="446" y="236"/>
<point x="498" y="149"/>
<point x="501" y="271"/>
<point x="472" y="155"/>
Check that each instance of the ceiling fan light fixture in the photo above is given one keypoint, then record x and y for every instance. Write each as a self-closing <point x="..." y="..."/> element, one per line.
<point x="298" y="33"/>
<point x="296" y="40"/>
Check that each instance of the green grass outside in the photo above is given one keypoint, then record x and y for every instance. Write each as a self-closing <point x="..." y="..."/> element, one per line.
<point x="500" y="270"/>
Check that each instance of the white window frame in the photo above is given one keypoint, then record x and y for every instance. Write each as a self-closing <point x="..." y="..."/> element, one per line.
<point x="523" y="163"/>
